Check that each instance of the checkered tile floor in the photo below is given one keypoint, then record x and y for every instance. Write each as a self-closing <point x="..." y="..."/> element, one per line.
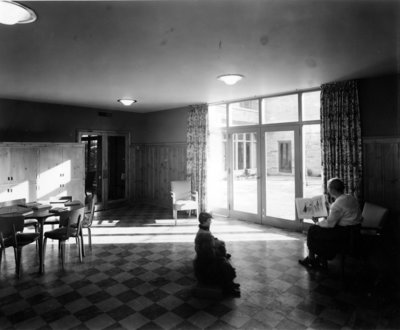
<point x="139" y="276"/>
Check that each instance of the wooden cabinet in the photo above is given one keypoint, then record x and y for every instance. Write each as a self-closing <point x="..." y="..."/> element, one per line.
<point x="17" y="172"/>
<point x="40" y="171"/>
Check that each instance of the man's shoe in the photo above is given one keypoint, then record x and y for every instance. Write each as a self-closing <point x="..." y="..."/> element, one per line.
<point x="308" y="263"/>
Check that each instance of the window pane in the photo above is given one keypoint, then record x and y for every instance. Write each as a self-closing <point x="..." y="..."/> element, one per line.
<point x="311" y="105"/>
<point x="312" y="184"/>
<point x="280" y="109"/>
<point x="217" y="116"/>
<point x="280" y="174"/>
<point x="244" y="113"/>
<point x="245" y="184"/>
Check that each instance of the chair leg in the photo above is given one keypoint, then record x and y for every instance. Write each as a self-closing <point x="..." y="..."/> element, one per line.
<point x="78" y="243"/>
<point x="62" y="254"/>
<point x="82" y="244"/>
<point x="17" y="252"/>
<point x="90" y="238"/>
<point x="15" y="256"/>
<point x="44" y="252"/>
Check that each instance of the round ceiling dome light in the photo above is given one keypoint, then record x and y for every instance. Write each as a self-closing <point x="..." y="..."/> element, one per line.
<point x="230" y="79"/>
<point x="14" y="13"/>
<point x="127" y="102"/>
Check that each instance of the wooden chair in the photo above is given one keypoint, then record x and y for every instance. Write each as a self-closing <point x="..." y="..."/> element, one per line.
<point x="58" y="201"/>
<point x="87" y="223"/>
<point x="183" y="198"/>
<point x="70" y="227"/>
<point x="363" y="237"/>
<point x="11" y="234"/>
<point x="373" y="218"/>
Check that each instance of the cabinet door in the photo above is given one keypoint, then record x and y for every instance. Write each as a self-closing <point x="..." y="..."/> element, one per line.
<point x="76" y="189"/>
<point x="5" y="194"/>
<point x="23" y="162"/>
<point x="73" y="162"/>
<point x="24" y="189"/>
<point x="4" y="165"/>
<point x="73" y="171"/>
<point x="49" y="178"/>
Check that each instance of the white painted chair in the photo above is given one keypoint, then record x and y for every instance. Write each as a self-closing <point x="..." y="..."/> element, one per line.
<point x="183" y="198"/>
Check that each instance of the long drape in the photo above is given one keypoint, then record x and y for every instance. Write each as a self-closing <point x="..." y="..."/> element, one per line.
<point x="341" y="135"/>
<point x="197" y="136"/>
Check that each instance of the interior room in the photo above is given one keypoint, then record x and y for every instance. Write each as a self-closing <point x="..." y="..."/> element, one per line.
<point x="106" y="106"/>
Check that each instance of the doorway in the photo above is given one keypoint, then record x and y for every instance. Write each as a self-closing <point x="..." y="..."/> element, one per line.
<point x="106" y="162"/>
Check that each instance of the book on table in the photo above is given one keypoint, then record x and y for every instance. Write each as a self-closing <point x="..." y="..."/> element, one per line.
<point x="58" y="209"/>
<point x="73" y="203"/>
<point x="41" y="207"/>
<point x="307" y="208"/>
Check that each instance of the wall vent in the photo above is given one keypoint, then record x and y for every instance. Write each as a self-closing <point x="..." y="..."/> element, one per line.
<point x="104" y="114"/>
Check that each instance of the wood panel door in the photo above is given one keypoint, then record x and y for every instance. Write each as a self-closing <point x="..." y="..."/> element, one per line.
<point x="4" y="165"/>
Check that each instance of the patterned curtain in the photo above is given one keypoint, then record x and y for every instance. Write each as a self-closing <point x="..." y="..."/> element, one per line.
<point x="197" y="136"/>
<point x="341" y="135"/>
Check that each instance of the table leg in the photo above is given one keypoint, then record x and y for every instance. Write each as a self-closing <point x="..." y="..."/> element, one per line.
<point x="41" y="237"/>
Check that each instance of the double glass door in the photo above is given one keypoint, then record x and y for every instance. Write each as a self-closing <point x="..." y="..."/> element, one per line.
<point x="259" y="181"/>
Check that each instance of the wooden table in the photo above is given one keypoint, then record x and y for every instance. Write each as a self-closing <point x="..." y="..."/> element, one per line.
<point x="41" y="216"/>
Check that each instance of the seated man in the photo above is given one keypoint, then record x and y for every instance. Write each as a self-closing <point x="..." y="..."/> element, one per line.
<point x="326" y="237"/>
<point x="211" y="265"/>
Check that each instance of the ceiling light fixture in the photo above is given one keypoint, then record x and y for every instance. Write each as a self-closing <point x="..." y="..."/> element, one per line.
<point x="127" y="102"/>
<point x="14" y="13"/>
<point x="230" y="79"/>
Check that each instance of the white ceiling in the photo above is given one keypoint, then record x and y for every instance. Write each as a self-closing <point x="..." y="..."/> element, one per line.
<point x="167" y="54"/>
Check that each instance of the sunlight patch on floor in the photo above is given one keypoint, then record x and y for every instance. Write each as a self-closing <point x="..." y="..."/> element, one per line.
<point x="130" y="236"/>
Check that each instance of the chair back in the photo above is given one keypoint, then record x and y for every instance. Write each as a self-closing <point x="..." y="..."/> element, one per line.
<point x="373" y="216"/>
<point x="11" y="222"/>
<point x="182" y="189"/>
<point x="72" y="220"/>
<point x="9" y="225"/>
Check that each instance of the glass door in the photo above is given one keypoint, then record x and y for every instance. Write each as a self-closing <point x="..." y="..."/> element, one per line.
<point x="281" y="176"/>
<point x="244" y="174"/>
<point x="105" y="166"/>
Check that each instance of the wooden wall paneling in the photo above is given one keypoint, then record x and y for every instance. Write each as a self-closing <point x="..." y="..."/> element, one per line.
<point x="371" y="173"/>
<point x="396" y="178"/>
<point x="391" y="175"/>
<point x="136" y="170"/>
<point x="164" y="179"/>
<point x="382" y="172"/>
<point x="161" y="164"/>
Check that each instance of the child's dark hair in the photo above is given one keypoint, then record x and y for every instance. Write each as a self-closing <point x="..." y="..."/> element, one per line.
<point x="204" y="216"/>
